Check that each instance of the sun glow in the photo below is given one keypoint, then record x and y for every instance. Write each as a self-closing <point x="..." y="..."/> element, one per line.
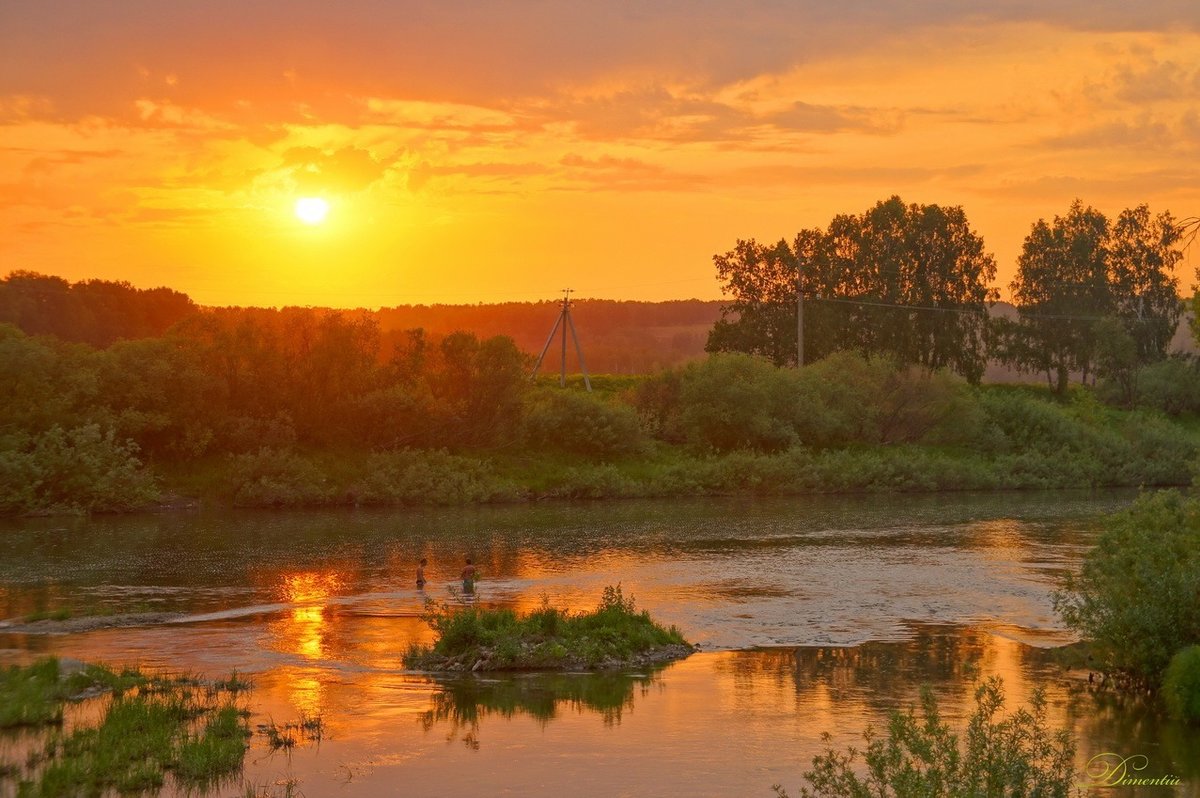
<point x="312" y="210"/>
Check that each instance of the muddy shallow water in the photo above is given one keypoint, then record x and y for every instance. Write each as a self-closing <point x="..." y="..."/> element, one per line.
<point x="814" y="615"/>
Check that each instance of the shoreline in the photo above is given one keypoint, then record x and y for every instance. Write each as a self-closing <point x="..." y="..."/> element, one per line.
<point x="179" y="504"/>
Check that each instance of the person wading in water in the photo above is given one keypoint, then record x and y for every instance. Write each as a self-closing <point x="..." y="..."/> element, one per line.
<point x="468" y="577"/>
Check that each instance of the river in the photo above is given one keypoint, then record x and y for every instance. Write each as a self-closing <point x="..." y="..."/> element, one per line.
<point x="813" y="615"/>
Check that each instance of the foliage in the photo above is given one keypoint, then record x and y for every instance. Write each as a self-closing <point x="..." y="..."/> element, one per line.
<point x="922" y="757"/>
<point x="310" y="407"/>
<point x="847" y="398"/>
<point x="909" y="281"/>
<point x="96" y="312"/>
<point x="277" y="478"/>
<point x="1171" y="385"/>
<point x="1134" y="597"/>
<point x="1116" y="361"/>
<point x="1181" y="685"/>
<point x="761" y="319"/>
<point x="547" y="638"/>
<point x="736" y="401"/>
<point x="579" y="423"/>
<point x="1080" y="269"/>
<point x="76" y="470"/>
<point x="428" y="477"/>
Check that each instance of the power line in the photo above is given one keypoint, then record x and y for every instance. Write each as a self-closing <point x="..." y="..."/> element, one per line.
<point x="964" y="311"/>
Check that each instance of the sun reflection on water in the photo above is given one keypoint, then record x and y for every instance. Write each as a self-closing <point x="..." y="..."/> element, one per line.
<point x="303" y="631"/>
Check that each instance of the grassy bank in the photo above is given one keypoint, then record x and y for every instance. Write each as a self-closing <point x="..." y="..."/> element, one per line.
<point x="613" y="635"/>
<point x="727" y="426"/>
<point x="416" y="478"/>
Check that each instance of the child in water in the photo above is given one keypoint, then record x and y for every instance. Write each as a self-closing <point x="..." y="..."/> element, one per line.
<point x="421" y="574"/>
<point x="468" y="577"/>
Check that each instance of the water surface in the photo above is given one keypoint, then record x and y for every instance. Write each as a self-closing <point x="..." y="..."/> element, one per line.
<point x="814" y="615"/>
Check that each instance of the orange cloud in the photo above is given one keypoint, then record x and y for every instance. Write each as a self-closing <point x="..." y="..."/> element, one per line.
<point x="507" y="147"/>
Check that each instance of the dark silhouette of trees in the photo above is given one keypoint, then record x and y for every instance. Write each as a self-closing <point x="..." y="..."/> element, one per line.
<point x="1082" y="269"/>
<point x="95" y="312"/>
<point x="907" y="281"/>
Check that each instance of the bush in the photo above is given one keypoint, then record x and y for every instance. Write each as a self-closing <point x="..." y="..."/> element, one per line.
<point x="77" y="470"/>
<point x="1171" y="385"/>
<point x="580" y="423"/>
<point x="1135" y="596"/>
<point x="277" y="478"/>
<point x="599" y="481"/>
<point x="429" y="477"/>
<point x="734" y="401"/>
<point x="922" y="758"/>
<point x="848" y="398"/>
<point x="1181" y="685"/>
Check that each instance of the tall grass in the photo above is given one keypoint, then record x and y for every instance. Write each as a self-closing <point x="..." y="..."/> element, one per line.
<point x="547" y="638"/>
<point x="148" y="727"/>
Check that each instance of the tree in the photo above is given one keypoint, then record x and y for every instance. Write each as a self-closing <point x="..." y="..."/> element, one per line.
<point x="1061" y="289"/>
<point x="907" y="281"/>
<point x="1117" y="359"/>
<point x="1142" y="253"/>
<point x="761" y="320"/>
<point x="1082" y="269"/>
<point x="96" y="312"/>
<point x="479" y="387"/>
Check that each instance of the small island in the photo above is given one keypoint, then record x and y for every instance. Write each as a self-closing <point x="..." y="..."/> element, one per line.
<point x="614" y="636"/>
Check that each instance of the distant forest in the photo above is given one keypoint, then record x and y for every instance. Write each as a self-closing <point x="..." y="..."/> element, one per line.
<point x="618" y="337"/>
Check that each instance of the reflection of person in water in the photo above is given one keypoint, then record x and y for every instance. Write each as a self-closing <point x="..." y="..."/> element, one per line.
<point x="468" y="577"/>
<point x="421" y="574"/>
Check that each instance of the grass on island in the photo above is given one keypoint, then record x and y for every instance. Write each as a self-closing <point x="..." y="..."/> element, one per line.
<point x="548" y="638"/>
<point x="149" y="726"/>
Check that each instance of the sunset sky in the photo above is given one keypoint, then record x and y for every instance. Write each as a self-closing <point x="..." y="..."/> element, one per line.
<point x="491" y="151"/>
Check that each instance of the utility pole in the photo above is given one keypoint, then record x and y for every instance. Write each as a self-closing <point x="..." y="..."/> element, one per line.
<point x="564" y="319"/>
<point x="799" y="315"/>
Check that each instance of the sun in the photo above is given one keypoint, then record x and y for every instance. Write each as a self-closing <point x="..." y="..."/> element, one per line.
<point x="311" y="210"/>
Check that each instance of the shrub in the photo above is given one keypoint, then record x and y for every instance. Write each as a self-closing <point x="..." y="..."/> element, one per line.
<point x="1134" y="597"/>
<point x="579" y="423"/>
<point x="1181" y="685"/>
<point x="849" y="398"/>
<point x="76" y="470"/>
<point x="599" y="481"/>
<point x="277" y="478"/>
<point x="656" y="400"/>
<point x="734" y="401"/>
<point x="428" y="477"/>
<point x="921" y="756"/>
<point x="1171" y="385"/>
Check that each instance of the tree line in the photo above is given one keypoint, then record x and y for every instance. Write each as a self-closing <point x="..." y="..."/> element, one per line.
<point x="619" y="337"/>
<point x="1095" y="297"/>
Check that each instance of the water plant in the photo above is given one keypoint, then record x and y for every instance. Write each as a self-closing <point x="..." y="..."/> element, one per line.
<point x="149" y="726"/>
<point x="921" y="756"/>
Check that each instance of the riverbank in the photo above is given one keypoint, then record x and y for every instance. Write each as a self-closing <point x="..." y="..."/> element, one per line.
<point x="729" y="425"/>
<point x="435" y="478"/>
